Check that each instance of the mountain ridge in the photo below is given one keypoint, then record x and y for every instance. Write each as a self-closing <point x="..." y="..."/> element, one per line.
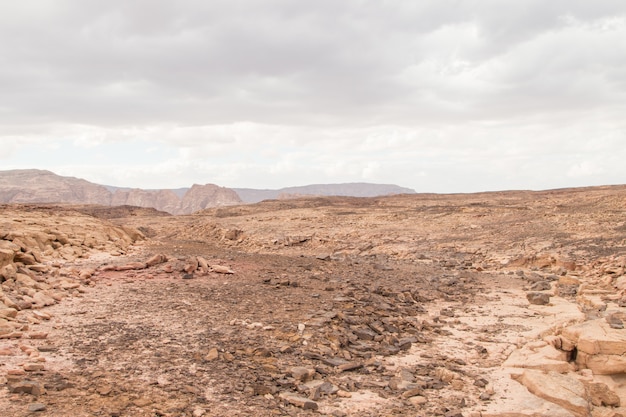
<point x="350" y="189"/>
<point x="43" y="186"/>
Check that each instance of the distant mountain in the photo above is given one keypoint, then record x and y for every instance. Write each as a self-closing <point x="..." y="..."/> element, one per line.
<point x="38" y="186"/>
<point x="355" y="189"/>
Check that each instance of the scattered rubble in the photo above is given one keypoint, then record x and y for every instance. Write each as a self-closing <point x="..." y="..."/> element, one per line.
<point x="478" y="305"/>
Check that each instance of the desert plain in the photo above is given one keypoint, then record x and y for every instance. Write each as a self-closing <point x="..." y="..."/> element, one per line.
<point x="500" y="304"/>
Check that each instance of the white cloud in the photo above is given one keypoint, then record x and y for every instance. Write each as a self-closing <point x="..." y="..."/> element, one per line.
<point x="437" y="95"/>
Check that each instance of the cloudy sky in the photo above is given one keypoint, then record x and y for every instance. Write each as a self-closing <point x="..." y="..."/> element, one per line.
<point x="439" y="96"/>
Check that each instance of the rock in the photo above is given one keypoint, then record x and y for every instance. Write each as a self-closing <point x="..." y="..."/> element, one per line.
<point x="8" y="272"/>
<point x="600" y="347"/>
<point x="24" y="280"/>
<point x="41" y="315"/>
<point x="298" y="401"/>
<point x="191" y="265"/>
<point x="614" y="321"/>
<point x="601" y="395"/>
<point x="8" y="312"/>
<point x="41" y="299"/>
<point x="86" y="273"/>
<point x="541" y="286"/>
<point x="547" y="358"/>
<point x="212" y="355"/>
<point x="302" y="374"/>
<point x="28" y="387"/>
<point x="445" y="375"/>
<point x="131" y="266"/>
<point x="538" y="298"/>
<point x="198" y="412"/>
<point x="568" y="280"/>
<point x="602" y="364"/>
<point x="557" y="388"/>
<point x="25" y="258"/>
<point x="31" y="367"/>
<point x="418" y="401"/>
<point x="220" y="269"/>
<point x="142" y="402"/>
<point x="364" y="333"/>
<point x="350" y="366"/>
<point x="35" y="407"/>
<point x="156" y="260"/>
<point x="6" y="257"/>
<point x="203" y="264"/>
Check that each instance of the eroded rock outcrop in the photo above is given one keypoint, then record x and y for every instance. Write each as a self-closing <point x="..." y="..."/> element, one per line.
<point x="35" y="243"/>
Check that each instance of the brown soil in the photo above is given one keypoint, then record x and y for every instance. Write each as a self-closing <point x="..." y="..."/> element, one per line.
<point x="370" y="295"/>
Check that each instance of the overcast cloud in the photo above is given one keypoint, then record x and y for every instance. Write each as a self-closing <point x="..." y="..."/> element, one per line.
<point x="439" y="95"/>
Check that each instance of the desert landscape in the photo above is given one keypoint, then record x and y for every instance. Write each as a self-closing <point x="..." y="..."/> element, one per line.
<point x="491" y="304"/>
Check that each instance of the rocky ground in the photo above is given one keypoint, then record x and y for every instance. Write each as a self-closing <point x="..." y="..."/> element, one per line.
<point x="495" y="304"/>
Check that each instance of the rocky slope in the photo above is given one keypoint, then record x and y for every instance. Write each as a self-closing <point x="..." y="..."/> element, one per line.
<point x="485" y="305"/>
<point x="37" y="186"/>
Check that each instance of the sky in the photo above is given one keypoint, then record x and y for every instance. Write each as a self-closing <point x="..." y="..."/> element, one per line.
<point x="439" y="96"/>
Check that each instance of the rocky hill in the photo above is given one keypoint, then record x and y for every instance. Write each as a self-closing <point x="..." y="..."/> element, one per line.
<point x="355" y="189"/>
<point x="39" y="186"/>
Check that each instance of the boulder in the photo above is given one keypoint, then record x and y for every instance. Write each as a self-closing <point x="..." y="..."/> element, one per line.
<point x="557" y="388"/>
<point x="601" y="348"/>
<point x="547" y="358"/>
<point x="601" y="395"/>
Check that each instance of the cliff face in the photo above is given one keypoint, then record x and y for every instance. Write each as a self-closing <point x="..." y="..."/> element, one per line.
<point x="37" y="186"/>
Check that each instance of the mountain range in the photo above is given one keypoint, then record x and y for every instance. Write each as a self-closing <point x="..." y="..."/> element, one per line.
<point x="40" y="186"/>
